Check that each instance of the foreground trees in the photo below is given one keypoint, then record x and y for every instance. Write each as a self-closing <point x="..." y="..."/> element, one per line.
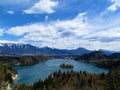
<point x="76" y="81"/>
<point x="65" y="81"/>
<point x="6" y="74"/>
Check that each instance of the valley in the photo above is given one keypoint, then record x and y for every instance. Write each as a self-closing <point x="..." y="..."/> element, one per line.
<point x="37" y="69"/>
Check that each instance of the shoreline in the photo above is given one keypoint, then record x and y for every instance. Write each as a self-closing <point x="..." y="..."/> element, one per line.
<point x="15" y="77"/>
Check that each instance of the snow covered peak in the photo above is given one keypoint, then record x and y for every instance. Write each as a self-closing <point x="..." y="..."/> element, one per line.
<point x="11" y="43"/>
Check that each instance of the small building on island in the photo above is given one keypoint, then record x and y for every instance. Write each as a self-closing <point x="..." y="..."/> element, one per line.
<point x="66" y="65"/>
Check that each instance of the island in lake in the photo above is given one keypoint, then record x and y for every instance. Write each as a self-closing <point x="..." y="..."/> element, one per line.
<point x="66" y="65"/>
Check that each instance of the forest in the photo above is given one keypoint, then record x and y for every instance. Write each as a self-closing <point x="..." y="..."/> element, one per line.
<point x="22" y="60"/>
<point x="76" y="81"/>
<point x="101" y="59"/>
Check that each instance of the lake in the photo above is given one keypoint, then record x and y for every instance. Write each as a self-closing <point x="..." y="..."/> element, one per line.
<point x="32" y="73"/>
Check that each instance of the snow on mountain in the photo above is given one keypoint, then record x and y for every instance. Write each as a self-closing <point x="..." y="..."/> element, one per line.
<point x="13" y="48"/>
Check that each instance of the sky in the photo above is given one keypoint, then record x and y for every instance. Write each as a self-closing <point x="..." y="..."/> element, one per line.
<point x="63" y="24"/>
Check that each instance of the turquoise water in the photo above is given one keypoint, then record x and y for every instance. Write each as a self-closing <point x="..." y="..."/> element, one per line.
<point x="32" y="73"/>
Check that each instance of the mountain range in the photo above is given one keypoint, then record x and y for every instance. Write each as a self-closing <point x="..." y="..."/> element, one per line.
<point x="27" y="49"/>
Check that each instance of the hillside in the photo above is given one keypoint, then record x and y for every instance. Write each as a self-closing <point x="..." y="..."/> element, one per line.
<point x="22" y="60"/>
<point x="101" y="59"/>
<point x="96" y="55"/>
<point x="6" y="74"/>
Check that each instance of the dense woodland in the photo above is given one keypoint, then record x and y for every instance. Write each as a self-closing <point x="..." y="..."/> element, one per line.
<point x="76" y="81"/>
<point x="101" y="59"/>
<point x="22" y="60"/>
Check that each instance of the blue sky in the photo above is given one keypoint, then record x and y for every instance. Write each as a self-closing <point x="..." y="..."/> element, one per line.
<point x="64" y="24"/>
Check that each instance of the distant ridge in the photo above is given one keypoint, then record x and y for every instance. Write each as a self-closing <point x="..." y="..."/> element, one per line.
<point x="107" y="52"/>
<point x="27" y="49"/>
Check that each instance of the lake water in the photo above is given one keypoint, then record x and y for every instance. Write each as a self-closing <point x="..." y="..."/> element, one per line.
<point x="32" y="73"/>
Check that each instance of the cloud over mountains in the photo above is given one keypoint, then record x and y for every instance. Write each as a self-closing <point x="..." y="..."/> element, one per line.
<point x="64" y="24"/>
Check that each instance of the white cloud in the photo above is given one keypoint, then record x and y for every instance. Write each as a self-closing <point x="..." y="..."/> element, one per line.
<point x="55" y="32"/>
<point x="69" y="34"/>
<point x="17" y="5"/>
<point x="10" y="12"/>
<point x="114" y="6"/>
<point x="76" y="25"/>
<point x="43" y="6"/>
<point x="1" y="32"/>
<point x="114" y="45"/>
<point x="46" y="18"/>
<point x="6" y="41"/>
<point x="107" y="33"/>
